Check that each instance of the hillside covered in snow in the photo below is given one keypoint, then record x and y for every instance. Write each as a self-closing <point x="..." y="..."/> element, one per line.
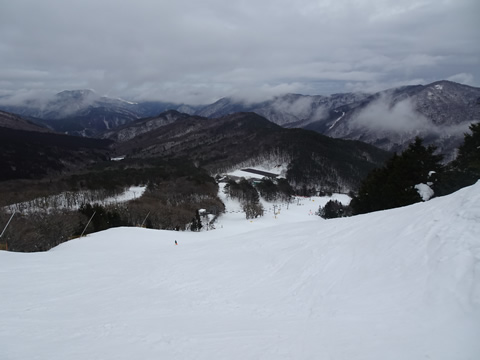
<point x="397" y="284"/>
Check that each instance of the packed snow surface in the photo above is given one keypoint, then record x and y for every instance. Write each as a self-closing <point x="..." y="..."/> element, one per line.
<point x="425" y="191"/>
<point x="398" y="284"/>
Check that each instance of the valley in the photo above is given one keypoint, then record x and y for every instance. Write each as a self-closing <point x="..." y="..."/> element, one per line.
<point x="179" y="158"/>
<point x="274" y="180"/>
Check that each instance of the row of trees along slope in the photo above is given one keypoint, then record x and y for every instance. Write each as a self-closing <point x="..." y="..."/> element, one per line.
<point x="394" y="184"/>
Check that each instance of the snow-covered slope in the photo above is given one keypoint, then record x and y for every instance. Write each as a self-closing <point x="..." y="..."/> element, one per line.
<point x="398" y="284"/>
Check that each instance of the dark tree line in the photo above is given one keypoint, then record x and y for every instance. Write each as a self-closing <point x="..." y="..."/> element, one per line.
<point x="33" y="155"/>
<point x="242" y="191"/>
<point x="248" y="193"/>
<point x="393" y="185"/>
<point x="271" y="190"/>
<point x="171" y="201"/>
<point x="334" y="209"/>
<point x="465" y="170"/>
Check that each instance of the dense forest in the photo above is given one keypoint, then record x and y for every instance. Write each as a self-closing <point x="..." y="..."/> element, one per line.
<point x="175" y="190"/>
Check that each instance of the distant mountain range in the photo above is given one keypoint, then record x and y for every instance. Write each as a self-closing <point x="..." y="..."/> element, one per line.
<point x="248" y="139"/>
<point x="29" y="151"/>
<point x="85" y="113"/>
<point x="439" y="112"/>
<point x="312" y="160"/>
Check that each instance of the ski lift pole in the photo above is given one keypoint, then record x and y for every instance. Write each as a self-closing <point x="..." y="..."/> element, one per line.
<point x="5" y="228"/>
<point x="143" y="222"/>
<point x="8" y="223"/>
<point x="88" y="223"/>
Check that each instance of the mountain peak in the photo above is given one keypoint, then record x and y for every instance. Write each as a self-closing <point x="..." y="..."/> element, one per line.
<point x="77" y="94"/>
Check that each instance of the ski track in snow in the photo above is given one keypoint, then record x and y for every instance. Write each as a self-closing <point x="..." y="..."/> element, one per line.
<point x="397" y="284"/>
<point x="336" y="121"/>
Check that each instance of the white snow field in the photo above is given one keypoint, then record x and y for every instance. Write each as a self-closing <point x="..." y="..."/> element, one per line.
<point x="73" y="200"/>
<point x="398" y="284"/>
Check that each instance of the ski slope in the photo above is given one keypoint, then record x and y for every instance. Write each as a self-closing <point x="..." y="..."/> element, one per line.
<point x="398" y="284"/>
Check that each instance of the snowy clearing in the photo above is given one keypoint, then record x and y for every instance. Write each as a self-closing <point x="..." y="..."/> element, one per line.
<point x="300" y="209"/>
<point x="398" y="284"/>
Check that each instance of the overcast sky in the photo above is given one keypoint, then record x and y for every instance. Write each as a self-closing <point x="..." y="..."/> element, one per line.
<point x="199" y="51"/>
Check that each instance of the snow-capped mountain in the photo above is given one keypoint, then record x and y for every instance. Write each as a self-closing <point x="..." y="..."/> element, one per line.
<point x="78" y="112"/>
<point x="62" y="105"/>
<point x="439" y="112"/>
<point x="85" y="113"/>
<point x="290" y="110"/>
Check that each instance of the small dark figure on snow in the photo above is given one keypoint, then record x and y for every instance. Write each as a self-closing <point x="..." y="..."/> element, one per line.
<point x="176" y="242"/>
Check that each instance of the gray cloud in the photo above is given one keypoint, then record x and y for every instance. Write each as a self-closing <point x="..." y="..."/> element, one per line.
<point x="301" y="108"/>
<point x="32" y="98"/>
<point x="196" y="52"/>
<point x="400" y="117"/>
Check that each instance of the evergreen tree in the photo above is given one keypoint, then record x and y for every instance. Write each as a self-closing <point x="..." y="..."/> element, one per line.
<point x="267" y="189"/>
<point x="394" y="184"/>
<point x="465" y="170"/>
<point x="196" y="224"/>
<point x="468" y="159"/>
<point x="334" y="209"/>
<point x="285" y="189"/>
